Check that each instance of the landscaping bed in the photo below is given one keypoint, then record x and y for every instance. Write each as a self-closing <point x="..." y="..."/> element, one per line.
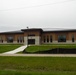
<point x="55" y="51"/>
<point x="51" y="49"/>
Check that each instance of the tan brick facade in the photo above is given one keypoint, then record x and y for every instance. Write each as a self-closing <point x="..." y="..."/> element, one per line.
<point x="15" y="37"/>
<point x="38" y="36"/>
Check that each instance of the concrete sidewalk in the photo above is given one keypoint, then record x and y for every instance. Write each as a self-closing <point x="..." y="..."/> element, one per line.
<point x="16" y="50"/>
<point x="40" y="55"/>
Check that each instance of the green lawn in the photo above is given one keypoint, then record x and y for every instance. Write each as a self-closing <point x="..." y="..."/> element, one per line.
<point x="5" y="48"/>
<point x="9" y="72"/>
<point x="37" y="66"/>
<point x="49" y="46"/>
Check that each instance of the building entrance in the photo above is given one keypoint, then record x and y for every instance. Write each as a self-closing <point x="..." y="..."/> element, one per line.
<point x="31" y="41"/>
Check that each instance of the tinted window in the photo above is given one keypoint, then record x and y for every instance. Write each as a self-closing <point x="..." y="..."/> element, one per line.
<point x="10" y="39"/>
<point x="61" y="38"/>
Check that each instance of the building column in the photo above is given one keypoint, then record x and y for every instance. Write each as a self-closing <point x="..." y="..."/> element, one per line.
<point x="37" y="40"/>
<point x="25" y="40"/>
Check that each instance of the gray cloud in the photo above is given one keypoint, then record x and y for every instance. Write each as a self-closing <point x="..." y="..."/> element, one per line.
<point x="57" y="14"/>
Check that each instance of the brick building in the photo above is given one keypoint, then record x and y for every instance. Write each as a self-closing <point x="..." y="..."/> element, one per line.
<point x="39" y="36"/>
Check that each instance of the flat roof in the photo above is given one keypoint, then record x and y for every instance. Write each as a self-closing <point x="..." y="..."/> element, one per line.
<point x="40" y="29"/>
<point x="57" y="30"/>
<point x="48" y="29"/>
<point x="13" y="32"/>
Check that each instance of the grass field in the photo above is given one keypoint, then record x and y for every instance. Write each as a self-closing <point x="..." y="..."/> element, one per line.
<point x="9" y="72"/>
<point x="9" y="47"/>
<point x="49" y="46"/>
<point x="37" y="66"/>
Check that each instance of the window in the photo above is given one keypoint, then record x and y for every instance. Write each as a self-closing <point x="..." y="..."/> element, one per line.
<point x="10" y="39"/>
<point x="44" y="39"/>
<point x="47" y="38"/>
<point x="31" y="35"/>
<point x="61" y="38"/>
<point x="1" y="40"/>
<point x="50" y="38"/>
<point x="72" y="38"/>
<point x="20" y="39"/>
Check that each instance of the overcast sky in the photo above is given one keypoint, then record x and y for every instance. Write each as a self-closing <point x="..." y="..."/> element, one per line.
<point x="18" y="14"/>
